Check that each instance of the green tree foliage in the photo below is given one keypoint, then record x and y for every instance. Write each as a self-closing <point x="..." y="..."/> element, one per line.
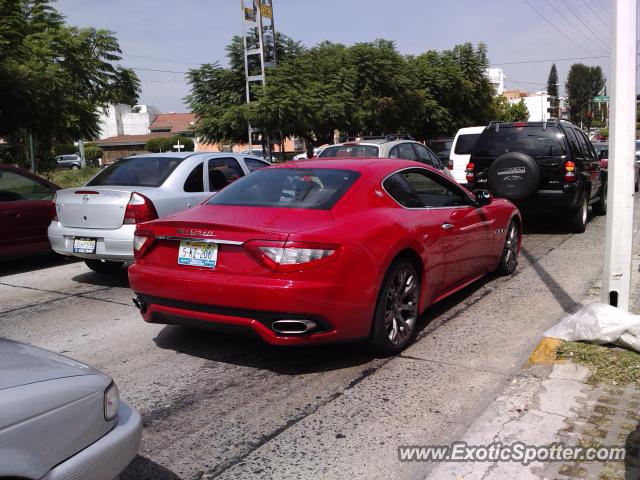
<point x="367" y="88"/>
<point x="165" y="144"/>
<point x="92" y="153"/>
<point x="507" y="112"/>
<point x="54" y="76"/>
<point x="583" y="83"/>
<point x="552" y="86"/>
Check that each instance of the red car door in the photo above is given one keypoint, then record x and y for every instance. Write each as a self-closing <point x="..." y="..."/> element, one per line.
<point x="26" y="210"/>
<point x="465" y="229"/>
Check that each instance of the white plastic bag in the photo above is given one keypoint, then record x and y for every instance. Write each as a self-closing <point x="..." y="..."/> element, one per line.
<point x="599" y="323"/>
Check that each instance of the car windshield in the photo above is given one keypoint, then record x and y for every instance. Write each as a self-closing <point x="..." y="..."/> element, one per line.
<point x="465" y="143"/>
<point x="137" y="172"/>
<point x="532" y="140"/>
<point x="314" y="188"/>
<point x="350" y="151"/>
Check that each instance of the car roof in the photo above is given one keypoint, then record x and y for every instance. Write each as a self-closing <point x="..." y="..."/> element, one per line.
<point x="355" y="164"/>
<point x="184" y="155"/>
<point x="468" y="130"/>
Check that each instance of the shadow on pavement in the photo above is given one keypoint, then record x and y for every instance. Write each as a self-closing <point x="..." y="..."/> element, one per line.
<point x="119" y="279"/>
<point x="144" y="469"/>
<point x="32" y="263"/>
<point x="547" y="224"/>
<point x="632" y="455"/>
<point x="250" y="352"/>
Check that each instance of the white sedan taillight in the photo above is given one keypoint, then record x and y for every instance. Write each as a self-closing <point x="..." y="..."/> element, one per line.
<point x="139" y="209"/>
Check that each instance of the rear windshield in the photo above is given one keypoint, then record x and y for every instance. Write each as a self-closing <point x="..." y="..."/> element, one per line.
<point x="316" y="188"/>
<point x="532" y="140"/>
<point x="440" y="147"/>
<point x="137" y="172"/>
<point x="364" y="151"/>
<point x="465" y="143"/>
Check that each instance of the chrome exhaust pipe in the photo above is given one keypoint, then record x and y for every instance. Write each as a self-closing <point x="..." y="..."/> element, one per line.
<point x="140" y="304"/>
<point x="293" y="327"/>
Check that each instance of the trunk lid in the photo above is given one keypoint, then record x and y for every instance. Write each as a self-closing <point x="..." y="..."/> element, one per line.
<point x="95" y="207"/>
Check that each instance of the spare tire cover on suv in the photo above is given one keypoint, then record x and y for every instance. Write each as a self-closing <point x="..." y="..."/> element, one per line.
<point x="514" y="175"/>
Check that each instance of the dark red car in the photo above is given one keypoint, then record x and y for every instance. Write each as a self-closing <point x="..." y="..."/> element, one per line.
<point x="322" y="251"/>
<point x="26" y="210"/>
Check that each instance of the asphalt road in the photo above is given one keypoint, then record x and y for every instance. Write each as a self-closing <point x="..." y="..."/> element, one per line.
<point x="217" y="406"/>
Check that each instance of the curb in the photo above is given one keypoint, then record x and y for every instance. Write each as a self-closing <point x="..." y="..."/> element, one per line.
<point x="545" y="352"/>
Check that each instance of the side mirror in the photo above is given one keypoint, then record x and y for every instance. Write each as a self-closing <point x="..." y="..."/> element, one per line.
<point x="483" y="197"/>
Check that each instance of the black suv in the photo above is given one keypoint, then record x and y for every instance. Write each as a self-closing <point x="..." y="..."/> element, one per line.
<point x="542" y="167"/>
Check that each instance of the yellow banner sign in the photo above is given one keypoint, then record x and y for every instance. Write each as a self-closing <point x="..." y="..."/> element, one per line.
<point x="265" y="11"/>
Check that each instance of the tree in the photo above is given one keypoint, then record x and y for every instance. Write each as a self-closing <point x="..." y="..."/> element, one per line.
<point x="508" y="112"/>
<point x="165" y="144"/>
<point x="583" y="83"/>
<point x="552" y="88"/>
<point x="54" y="77"/>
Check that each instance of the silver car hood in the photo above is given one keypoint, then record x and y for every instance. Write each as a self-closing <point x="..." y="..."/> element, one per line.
<point x="22" y="364"/>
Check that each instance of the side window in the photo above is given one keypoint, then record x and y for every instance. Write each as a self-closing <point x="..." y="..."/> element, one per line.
<point x="587" y="146"/>
<point x="437" y="161"/>
<point x="401" y="191"/>
<point x="253" y="164"/>
<point x="14" y="186"/>
<point x="573" y="141"/>
<point x="194" y="182"/>
<point x="433" y="193"/>
<point x="223" y="171"/>
<point x="404" y="151"/>
<point x="423" y="155"/>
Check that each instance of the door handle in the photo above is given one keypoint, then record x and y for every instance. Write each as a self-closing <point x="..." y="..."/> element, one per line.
<point x="447" y="226"/>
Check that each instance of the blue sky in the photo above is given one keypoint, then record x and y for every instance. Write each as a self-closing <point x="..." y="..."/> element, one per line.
<point x="177" y="35"/>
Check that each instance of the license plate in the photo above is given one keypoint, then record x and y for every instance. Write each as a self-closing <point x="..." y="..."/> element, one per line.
<point x="198" y="254"/>
<point x="84" y="245"/>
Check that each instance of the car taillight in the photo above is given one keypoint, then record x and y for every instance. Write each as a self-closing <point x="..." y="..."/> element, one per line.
<point x="142" y="240"/>
<point x="469" y="172"/>
<point x="292" y="256"/>
<point x="139" y="209"/>
<point x="53" y="205"/>
<point x="569" y="172"/>
<point x="450" y="165"/>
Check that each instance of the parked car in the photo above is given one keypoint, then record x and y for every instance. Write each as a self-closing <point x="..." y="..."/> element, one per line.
<point x="389" y="146"/>
<point x="26" y="210"/>
<point x="441" y="147"/>
<point x="61" y="419"/>
<point x="73" y="162"/>
<point x="543" y="167"/>
<point x="461" y="149"/>
<point x="96" y="222"/>
<point x="602" y="149"/>
<point x="323" y="251"/>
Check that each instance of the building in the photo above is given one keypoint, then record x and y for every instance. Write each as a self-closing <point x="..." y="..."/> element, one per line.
<point x="123" y="119"/>
<point x="538" y="104"/>
<point x="497" y="77"/>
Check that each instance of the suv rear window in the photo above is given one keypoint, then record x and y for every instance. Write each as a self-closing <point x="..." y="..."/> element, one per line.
<point x="532" y="140"/>
<point x="441" y="148"/>
<point x="137" y="172"/>
<point x="349" y="151"/>
<point x="465" y="143"/>
<point x="314" y="188"/>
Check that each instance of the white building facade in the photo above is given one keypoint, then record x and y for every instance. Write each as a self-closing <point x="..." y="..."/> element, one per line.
<point x="122" y="119"/>
<point x="497" y="77"/>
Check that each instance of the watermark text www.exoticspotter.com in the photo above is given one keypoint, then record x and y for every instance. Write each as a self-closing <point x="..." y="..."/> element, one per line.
<point x="515" y="452"/>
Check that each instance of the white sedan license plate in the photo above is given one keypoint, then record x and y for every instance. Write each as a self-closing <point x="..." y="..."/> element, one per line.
<point x="198" y="254"/>
<point x="84" y="245"/>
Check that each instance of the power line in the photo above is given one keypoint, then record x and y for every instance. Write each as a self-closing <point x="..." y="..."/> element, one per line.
<point x="570" y="23"/>
<point x="605" y="4"/>
<point x="160" y="59"/>
<point x="596" y="14"/>
<point x="156" y="70"/>
<point x="555" y="27"/>
<point x="551" y="60"/>
<point x="588" y="27"/>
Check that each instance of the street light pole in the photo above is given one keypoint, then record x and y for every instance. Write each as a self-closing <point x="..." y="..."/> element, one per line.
<point x="619" y="234"/>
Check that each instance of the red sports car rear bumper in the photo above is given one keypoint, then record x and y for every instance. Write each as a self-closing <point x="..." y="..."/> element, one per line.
<point x="341" y="306"/>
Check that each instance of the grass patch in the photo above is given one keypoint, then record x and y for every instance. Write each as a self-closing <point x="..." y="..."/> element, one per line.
<point x="610" y="365"/>
<point x="72" y="178"/>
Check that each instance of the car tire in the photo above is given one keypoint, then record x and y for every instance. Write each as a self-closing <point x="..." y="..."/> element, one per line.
<point x="600" y="207"/>
<point x="637" y="186"/>
<point x="395" y="327"/>
<point x="509" y="255"/>
<point x="75" y="167"/>
<point x="104" y="266"/>
<point x="513" y="175"/>
<point x="579" y="217"/>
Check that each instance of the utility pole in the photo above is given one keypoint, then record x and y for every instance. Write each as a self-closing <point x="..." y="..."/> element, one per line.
<point x="259" y="52"/>
<point x="31" y="155"/>
<point x="619" y="237"/>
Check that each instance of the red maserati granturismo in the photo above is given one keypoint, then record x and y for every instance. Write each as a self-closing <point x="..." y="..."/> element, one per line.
<point x="322" y="251"/>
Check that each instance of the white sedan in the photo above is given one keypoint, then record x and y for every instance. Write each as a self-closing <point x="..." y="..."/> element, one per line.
<point x="96" y="222"/>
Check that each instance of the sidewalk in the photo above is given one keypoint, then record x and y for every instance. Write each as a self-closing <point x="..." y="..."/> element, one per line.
<point x="557" y="402"/>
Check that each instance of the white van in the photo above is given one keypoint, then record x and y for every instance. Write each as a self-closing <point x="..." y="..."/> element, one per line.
<point x="463" y="144"/>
